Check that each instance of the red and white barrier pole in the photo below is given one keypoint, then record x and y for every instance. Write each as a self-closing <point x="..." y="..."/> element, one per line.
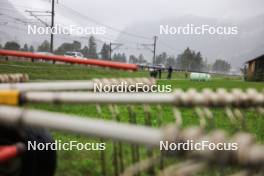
<point x="10" y="151"/>
<point x="96" y="62"/>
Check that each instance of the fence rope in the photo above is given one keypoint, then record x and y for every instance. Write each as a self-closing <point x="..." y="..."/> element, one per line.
<point x="14" y="78"/>
<point x="185" y="168"/>
<point x="179" y="98"/>
<point x="249" y="154"/>
<point x="102" y="152"/>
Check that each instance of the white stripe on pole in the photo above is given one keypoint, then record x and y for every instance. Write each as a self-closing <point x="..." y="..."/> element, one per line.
<point x="250" y="98"/>
<point x="88" y="126"/>
<point x="87" y="97"/>
<point x="75" y="85"/>
<point x="39" y="86"/>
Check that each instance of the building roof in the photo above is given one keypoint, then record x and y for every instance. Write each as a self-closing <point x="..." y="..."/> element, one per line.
<point x="259" y="57"/>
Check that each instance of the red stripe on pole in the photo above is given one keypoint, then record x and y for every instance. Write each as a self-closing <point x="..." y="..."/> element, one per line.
<point x="101" y="63"/>
<point x="8" y="152"/>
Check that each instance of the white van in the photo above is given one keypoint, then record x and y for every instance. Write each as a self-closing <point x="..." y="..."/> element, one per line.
<point x="74" y="54"/>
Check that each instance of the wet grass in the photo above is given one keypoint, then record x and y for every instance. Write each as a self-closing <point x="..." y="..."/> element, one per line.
<point x="87" y="163"/>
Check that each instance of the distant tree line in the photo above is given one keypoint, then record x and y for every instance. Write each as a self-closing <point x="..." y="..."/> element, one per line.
<point x="119" y="57"/>
<point x="188" y="60"/>
<point x="221" y="66"/>
<point x="12" y="45"/>
<point x="137" y="60"/>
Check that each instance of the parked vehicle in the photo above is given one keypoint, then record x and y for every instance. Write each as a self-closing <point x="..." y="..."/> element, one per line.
<point x="44" y="53"/>
<point x="74" y="54"/>
<point x="162" y="66"/>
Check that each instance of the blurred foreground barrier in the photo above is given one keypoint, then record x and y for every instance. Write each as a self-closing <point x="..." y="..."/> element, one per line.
<point x="248" y="155"/>
<point x="13" y="78"/>
<point x="90" y="126"/>
<point x="12" y="151"/>
<point x="95" y="62"/>
<point x="76" y="85"/>
<point x="179" y="98"/>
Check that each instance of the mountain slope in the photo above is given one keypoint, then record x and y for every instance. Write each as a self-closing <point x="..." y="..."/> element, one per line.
<point x="234" y="48"/>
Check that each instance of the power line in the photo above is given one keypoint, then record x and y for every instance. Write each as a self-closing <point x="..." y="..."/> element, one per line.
<point x="36" y="16"/>
<point x="110" y="27"/>
<point x="101" y="41"/>
<point x="18" y="6"/>
<point x="95" y="21"/>
<point x="16" y="21"/>
<point x="70" y="38"/>
<point x="57" y="36"/>
<point x="21" y="29"/>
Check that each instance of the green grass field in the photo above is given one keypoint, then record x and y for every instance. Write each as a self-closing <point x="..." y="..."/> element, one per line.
<point x="88" y="163"/>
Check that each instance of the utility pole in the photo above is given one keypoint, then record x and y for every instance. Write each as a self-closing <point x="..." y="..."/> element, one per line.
<point x="52" y="25"/>
<point x="112" y="49"/>
<point x="149" y="47"/>
<point x="154" y="50"/>
<point x="38" y="14"/>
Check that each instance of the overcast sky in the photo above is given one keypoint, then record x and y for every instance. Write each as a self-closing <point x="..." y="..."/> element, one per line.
<point x="120" y="13"/>
<point x="124" y="12"/>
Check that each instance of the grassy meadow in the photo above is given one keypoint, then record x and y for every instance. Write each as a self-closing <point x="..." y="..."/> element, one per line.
<point x="87" y="163"/>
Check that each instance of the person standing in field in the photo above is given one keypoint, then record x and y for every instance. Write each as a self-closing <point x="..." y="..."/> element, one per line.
<point x="159" y="71"/>
<point x="186" y="75"/>
<point x="169" y="72"/>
